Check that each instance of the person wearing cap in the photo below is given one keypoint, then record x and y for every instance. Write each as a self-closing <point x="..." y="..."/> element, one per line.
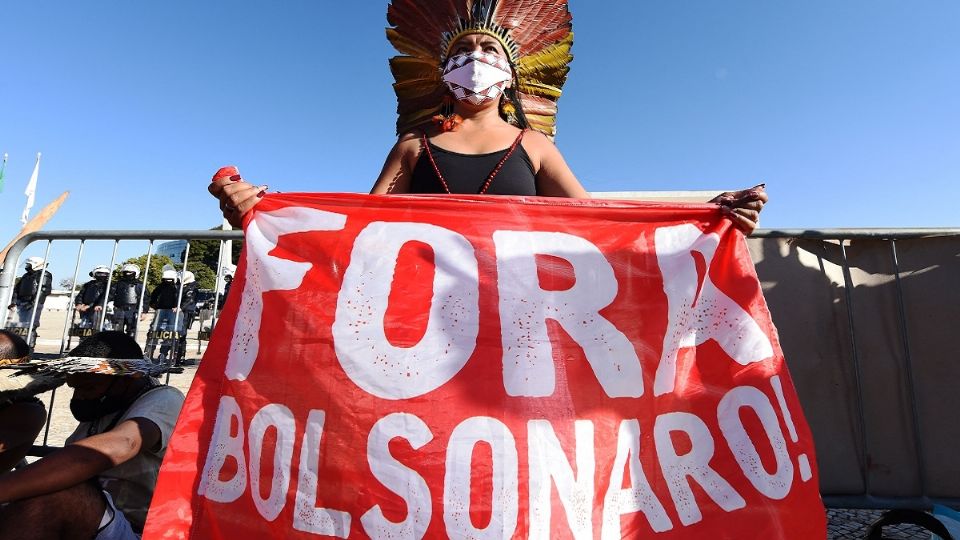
<point x="90" y="301"/>
<point x="22" y="415"/>
<point x="126" y="295"/>
<point x="100" y="484"/>
<point x="31" y="291"/>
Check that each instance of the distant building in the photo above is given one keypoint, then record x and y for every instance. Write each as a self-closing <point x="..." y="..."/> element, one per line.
<point x="174" y="249"/>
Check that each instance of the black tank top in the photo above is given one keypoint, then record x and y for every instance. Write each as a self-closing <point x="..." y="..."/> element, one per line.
<point x="466" y="173"/>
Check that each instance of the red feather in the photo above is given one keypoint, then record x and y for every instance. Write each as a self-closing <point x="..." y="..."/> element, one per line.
<point x="534" y="24"/>
<point x="537" y="105"/>
<point x="421" y="22"/>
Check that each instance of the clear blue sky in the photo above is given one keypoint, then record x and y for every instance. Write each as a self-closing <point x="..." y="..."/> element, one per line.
<point x="848" y="110"/>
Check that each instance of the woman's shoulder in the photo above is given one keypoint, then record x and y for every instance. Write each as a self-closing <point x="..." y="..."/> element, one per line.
<point x="537" y="143"/>
<point x="409" y="140"/>
<point x="406" y="148"/>
<point x="536" y="139"/>
<point x="539" y="147"/>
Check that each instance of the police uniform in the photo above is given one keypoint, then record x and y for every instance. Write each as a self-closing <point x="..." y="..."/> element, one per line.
<point x="92" y="295"/>
<point x="126" y="295"/>
<point x="34" y="285"/>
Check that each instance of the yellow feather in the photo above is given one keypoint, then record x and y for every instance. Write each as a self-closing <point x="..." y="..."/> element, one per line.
<point x="407" y="46"/>
<point x="556" y="56"/>
<point x="542" y="120"/>
<point x="406" y="67"/>
<point x="542" y="90"/>
<point x="543" y="124"/>
<point x="543" y="74"/>
<point x="415" y="78"/>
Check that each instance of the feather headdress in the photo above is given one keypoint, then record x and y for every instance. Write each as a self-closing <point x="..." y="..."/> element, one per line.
<point x="130" y="367"/>
<point x="536" y="34"/>
<point x="15" y="383"/>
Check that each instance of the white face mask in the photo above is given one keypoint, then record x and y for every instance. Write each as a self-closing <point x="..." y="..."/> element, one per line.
<point x="477" y="77"/>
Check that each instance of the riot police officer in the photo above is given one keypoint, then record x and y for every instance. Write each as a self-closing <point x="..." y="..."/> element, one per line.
<point x="33" y="288"/>
<point x="188" y="308"/>
<point x="126" y="295"/>
<point x="228" y="282"/>
<point x="188" y="300"/>
<point x="166" y="322"/>
<point x="228" y="272"/>
<point x="90" y="301"/>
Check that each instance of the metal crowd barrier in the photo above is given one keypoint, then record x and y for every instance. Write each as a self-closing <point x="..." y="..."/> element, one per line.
<point x="881" y="412"/>
<point x="11" y="269"/>
<point x="874" y="365"/>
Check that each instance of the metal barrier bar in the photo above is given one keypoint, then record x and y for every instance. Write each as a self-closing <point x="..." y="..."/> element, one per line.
<point x="176" y="316"/>
<point x="858" y="373"/>
<point x="175" y="350"/>
<point x="106" y="291"/>
<point x="216" y="293"/>
<point x="46" y="428"/>
<point x="908" y="367"/>
<point x="70" y="311"/>
<point x="36" y="297"/>
<point x="874" y="502"/>
<point x="855" y="233"/>
<point x="143" y="288"/>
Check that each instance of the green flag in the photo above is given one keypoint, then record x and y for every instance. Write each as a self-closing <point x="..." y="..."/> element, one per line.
<point x="2" y="168"/>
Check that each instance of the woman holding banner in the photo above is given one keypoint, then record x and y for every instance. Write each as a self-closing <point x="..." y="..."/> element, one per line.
<point x="477" y="114"/>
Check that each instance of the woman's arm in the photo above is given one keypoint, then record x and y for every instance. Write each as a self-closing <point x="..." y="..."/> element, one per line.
<point x="398" y="169"/>
<point x="554" y="177"/>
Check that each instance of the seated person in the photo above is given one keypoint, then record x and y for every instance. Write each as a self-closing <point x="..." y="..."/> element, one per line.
<point x="22" y="415"/>
<point x="100" y="484"/>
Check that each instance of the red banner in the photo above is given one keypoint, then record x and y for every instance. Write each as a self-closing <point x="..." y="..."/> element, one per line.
<point x="484" y="367"/>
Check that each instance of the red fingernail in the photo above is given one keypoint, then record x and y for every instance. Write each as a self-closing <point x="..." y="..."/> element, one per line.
<point x="260" y="194"/>
<point x="235" y="178"/>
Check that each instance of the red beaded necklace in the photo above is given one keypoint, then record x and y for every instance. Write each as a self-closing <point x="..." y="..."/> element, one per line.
<point x="490" y="177"/>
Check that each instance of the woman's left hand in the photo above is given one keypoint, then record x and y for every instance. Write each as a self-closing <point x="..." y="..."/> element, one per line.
<point x="743" y="207"/>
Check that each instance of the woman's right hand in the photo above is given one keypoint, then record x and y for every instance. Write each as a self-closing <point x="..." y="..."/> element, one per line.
<point x="743" y="207"/>
<point x="236" y="196"/>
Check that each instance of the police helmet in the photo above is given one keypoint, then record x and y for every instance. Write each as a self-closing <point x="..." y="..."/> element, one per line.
<point x="35" y="263"/>
<point x="130" y="269"/>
